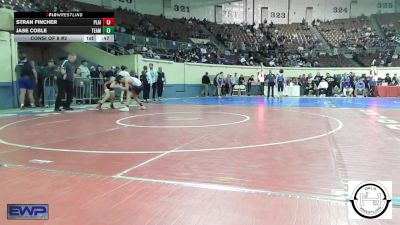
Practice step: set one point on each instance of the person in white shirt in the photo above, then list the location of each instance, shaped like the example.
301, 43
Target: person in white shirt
124, 72
261, 79
131, 84
235, 80
85, 74
152, 77
322, 87
243, 60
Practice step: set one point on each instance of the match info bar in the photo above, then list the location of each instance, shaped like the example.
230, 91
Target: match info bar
64, 27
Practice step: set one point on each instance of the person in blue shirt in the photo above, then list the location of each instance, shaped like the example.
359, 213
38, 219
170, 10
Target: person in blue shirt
360, 88
281, 81
346, 85
220, 83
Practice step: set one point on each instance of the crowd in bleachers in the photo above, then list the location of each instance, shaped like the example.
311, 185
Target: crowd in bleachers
330, 85
294, 45
355, 33
390, 24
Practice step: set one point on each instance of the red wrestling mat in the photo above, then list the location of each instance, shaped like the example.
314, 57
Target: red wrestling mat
196, 165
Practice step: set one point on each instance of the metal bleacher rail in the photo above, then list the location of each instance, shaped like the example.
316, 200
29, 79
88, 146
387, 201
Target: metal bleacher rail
137, 40
86, 90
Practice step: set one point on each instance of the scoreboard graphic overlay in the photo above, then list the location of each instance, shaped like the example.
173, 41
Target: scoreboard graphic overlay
64, 27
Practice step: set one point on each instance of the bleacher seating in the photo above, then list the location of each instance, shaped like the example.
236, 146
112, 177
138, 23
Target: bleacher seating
276, 45
236, 36
295, 35
390, 24
350, 33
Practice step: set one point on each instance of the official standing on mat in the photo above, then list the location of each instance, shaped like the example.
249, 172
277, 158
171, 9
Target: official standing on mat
161, 80
205, 80
281, 84
271, 83
66, 85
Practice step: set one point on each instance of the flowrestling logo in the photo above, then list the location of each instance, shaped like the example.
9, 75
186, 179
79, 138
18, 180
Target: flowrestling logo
370, 200
27, 211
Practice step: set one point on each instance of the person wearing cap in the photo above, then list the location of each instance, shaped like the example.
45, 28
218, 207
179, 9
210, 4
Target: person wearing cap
111, 73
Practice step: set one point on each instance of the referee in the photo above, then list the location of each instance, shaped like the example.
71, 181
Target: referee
66, 83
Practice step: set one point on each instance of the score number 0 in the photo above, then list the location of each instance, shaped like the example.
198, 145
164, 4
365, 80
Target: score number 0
108, 21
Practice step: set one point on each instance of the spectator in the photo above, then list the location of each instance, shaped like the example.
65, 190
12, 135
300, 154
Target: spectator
161, 80
302, 83
347, 90
336, 91
241, 83
152, 79
79, 86
250, 82
220, 83
97, 81
111, 73
85, 74
241, 80
235, 80
27, 76
322, 88
38, 91
395, 80
360, 88
205, 80
261, 79
50, 76
309, 88
331, 84
228, 84
388, 80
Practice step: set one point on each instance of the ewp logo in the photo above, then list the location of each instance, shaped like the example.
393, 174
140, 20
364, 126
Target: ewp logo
27, 211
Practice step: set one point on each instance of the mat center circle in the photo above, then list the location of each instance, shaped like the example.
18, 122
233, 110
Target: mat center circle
183, 120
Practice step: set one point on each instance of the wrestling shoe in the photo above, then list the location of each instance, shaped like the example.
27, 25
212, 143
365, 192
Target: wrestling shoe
99, 105
125, 109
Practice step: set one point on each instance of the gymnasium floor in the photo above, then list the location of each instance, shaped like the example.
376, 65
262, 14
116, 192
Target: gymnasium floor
212, 161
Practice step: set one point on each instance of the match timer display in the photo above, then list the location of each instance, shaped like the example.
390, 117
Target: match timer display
64, 27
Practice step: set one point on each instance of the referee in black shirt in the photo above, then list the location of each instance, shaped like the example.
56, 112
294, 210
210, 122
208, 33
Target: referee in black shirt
66, 84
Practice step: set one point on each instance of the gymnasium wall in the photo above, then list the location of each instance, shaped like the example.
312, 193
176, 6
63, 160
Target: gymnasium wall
170, 8
8, 61
184, 79
277, 11
96, 55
